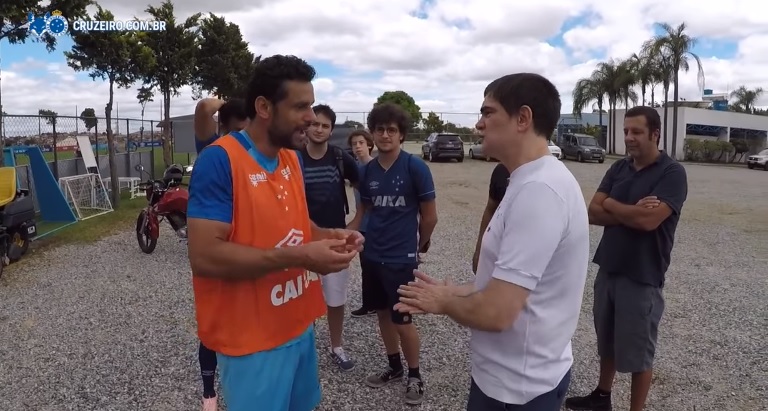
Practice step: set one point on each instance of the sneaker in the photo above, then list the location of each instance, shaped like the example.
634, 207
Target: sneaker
595, 401
383, 378
362, 312
210, 404
414, 391
341, 359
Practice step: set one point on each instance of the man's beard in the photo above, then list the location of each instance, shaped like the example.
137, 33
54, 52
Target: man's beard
292, 139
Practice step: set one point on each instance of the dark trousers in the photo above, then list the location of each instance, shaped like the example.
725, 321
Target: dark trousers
550, 401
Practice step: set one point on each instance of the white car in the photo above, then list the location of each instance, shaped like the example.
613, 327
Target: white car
759, 160
555, 150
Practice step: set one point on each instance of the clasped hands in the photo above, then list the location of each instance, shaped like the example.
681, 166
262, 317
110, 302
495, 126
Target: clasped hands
334, 251
649, 202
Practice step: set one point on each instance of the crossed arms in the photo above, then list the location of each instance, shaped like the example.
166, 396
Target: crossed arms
648, 213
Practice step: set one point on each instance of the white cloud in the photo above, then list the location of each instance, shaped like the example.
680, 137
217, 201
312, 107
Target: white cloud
443, 61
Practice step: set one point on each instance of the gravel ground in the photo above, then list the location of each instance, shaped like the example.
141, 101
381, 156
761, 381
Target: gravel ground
104, 327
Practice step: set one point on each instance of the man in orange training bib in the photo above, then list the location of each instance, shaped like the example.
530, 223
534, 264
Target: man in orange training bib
253, 248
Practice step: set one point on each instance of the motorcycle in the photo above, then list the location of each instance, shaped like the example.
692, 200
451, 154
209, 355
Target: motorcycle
166, 200
17, 219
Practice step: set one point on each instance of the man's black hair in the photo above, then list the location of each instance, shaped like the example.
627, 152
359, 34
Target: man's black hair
652, 118
233, 109
269, 78
388, 113
327, 111
528, 89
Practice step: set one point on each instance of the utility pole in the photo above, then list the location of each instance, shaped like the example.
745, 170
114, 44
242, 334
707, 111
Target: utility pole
2, 114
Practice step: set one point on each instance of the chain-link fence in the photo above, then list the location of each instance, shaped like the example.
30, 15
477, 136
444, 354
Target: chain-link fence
135, 142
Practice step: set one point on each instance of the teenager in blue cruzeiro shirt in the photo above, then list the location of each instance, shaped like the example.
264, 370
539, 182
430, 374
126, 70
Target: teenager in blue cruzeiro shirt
398, 194
232, 117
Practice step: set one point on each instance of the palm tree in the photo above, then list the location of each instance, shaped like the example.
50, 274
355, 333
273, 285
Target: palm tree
746, 98
662, 73
643, 69
587, 90
610, 73
626, 82
678, 45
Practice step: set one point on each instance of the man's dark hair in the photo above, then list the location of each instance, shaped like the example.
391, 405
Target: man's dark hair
269, 78
365, 134
388, 113
327, 111
233, 109
528, 89
652, 118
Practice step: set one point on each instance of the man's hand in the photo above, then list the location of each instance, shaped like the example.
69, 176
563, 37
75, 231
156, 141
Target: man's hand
649, 202
328, 256
354, 240
426, 295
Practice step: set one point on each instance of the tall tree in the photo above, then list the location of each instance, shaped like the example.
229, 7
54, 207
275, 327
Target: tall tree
223, 62
661, 73
118, 57
175, 50
678, 45
432, 123
88, 115
145, 95
745, 98
404, 100
610, 73
14, 16
51, 117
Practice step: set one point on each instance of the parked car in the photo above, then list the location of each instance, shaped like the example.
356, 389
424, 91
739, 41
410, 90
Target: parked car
582, 147
759, 160
476, 151
443, 146
555, 150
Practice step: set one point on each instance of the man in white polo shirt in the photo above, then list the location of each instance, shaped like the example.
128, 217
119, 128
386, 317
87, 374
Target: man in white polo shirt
524, 304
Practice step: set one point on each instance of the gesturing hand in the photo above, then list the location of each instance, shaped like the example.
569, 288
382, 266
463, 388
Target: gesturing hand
649, 202
353, 239
425, 295
328, 256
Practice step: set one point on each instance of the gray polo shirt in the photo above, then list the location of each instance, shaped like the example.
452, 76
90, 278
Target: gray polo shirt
643, 256
538, 239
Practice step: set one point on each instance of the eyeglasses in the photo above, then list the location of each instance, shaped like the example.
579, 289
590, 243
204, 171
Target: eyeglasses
391, 131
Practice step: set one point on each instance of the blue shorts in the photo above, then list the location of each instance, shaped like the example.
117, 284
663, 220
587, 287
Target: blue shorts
282, 379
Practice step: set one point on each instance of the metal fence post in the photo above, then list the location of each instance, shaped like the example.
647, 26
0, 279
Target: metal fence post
128, 147
152, 142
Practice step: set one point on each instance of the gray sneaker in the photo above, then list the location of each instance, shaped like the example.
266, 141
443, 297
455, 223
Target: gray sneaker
344, 361
414, 391
383, 378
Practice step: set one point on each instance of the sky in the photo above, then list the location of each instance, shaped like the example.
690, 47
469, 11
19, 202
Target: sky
441, 52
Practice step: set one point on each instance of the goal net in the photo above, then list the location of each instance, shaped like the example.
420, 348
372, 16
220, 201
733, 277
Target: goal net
86, 195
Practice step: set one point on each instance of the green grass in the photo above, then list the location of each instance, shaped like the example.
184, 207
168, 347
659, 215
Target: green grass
92, 229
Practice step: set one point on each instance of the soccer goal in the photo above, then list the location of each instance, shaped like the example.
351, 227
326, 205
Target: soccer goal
86, 195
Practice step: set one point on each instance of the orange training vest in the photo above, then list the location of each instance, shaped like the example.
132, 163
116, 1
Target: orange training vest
240, 317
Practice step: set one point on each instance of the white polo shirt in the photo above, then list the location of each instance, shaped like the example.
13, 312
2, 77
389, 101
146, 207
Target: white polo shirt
538, 239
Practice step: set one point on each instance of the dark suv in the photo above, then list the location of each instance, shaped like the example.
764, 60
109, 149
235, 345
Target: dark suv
581, 147
443, 146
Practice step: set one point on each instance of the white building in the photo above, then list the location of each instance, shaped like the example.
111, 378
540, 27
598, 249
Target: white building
692, 115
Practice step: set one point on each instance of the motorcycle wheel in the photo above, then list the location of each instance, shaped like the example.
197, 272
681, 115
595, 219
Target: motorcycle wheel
146, 242
21, 240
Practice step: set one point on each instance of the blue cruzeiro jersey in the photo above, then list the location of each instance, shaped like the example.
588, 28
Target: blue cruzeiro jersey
393, 198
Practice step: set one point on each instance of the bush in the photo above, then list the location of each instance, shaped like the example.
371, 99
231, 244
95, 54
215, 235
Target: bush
707, 150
